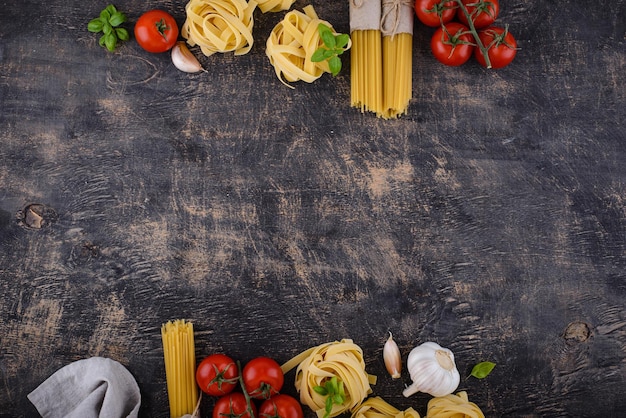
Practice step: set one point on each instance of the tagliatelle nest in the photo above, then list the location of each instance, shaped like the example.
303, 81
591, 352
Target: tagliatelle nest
291, 44
342, 359
220, 25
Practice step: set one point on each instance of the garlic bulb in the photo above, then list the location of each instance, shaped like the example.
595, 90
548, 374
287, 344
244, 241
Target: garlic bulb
391, 357
432, 370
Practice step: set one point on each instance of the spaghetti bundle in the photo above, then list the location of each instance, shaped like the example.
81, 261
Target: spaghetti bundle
378, 408
291, 45
219, 25
274, 5
397, 29
180, 366
453, 406
341, 359
366, 72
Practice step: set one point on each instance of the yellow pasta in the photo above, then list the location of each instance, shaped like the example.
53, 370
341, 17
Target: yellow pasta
291, 44
453, 406
366, 72
275, 5
398, 73
180, 366
366, 68
376, 407
397, 29
219, 25
342, 359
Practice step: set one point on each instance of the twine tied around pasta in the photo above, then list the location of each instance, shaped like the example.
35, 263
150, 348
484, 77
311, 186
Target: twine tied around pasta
392, 15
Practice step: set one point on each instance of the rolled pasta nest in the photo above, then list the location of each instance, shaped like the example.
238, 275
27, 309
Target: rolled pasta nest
315, 366
274, 5
453, 406
220, 25
291, 44
377, 407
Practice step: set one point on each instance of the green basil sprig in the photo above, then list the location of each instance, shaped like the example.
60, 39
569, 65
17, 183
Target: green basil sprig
108, 23
334, 45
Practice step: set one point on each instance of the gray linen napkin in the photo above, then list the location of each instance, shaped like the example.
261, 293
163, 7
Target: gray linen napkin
95, 387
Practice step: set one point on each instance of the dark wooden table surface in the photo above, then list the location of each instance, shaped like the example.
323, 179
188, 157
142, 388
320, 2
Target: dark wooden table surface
490, 219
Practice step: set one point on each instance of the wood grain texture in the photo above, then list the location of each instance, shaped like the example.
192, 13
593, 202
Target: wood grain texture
490, 219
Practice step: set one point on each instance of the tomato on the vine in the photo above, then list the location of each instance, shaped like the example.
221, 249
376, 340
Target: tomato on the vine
452, 44
217, 374
262, 377
482, 12
233, 405
281, 406
501, 47
156, 31
435, 12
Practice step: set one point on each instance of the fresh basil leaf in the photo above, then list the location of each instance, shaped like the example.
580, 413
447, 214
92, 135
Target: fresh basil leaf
321, 390
122, 34
111, 9
117, 19
342, 40
107, 28
482, 370
110, 41
318, 55
335, 65
94, 26
101, 40
105, 15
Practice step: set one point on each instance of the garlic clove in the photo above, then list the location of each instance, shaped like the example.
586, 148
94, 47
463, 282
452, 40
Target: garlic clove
184, 60
391, 357
432, 370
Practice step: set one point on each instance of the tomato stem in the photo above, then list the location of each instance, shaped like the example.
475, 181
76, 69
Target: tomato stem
161, 26
472, 29
245, 392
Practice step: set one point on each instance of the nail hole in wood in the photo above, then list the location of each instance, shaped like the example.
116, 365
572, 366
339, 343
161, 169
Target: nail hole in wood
577, 332
37, 216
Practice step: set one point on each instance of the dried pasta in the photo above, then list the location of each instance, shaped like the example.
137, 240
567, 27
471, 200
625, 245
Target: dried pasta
342, 359
366, 71
453, 406
397, 29
274, 5
219, 25
180, 366
291, 44
377, 407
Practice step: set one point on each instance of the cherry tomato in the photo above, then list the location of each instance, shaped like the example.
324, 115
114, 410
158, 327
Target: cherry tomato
217, 375
435, 12
452, 44
233, 405
281, 406
262, 377
156, 31
501, 45
482, 12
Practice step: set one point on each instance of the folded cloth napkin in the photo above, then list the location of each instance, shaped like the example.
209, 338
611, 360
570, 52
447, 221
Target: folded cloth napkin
94, 387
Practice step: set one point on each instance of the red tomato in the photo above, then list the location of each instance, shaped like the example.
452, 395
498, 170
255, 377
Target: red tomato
435, 12
281, 406
482, 12
156, 31
217, 375
501, 45
262, 377
233, 405
452, 44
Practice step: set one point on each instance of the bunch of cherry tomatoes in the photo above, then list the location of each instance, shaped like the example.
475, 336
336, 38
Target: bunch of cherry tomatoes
237, 392
457, 38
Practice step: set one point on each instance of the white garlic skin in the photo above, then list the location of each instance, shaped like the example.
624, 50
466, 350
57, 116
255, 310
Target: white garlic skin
432, 370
